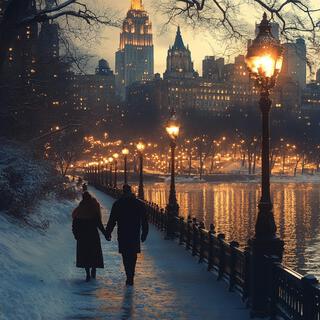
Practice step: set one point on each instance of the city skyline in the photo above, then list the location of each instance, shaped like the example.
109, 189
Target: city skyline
201, 44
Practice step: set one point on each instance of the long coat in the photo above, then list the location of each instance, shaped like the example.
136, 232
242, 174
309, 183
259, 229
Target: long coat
86, 222
130, 216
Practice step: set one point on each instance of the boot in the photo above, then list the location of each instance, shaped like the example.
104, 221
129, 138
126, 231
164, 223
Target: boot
93, 273
129, 281
88, 274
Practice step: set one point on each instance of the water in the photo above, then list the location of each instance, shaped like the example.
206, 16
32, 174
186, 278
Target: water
232, 208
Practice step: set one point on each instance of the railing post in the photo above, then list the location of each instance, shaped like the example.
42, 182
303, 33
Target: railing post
181, 228
189, 228
309, 306
202, 242
233, 261
246, 286
222, 255
194, 236
162, 222
211, 249
274, 285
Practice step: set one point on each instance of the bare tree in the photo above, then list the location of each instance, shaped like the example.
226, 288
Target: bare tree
228, 20
293, 16
17, 15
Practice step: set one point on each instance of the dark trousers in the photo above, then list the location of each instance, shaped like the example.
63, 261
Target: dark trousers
129, 262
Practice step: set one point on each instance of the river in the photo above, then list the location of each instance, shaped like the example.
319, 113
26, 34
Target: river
232, 208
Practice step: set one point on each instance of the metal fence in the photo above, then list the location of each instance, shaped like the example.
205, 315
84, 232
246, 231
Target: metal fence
291, 296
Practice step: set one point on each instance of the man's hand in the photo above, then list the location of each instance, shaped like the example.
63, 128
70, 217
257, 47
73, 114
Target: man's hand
143, 238
108, 237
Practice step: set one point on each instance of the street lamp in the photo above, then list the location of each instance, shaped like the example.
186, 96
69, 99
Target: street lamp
173, 129
110, 159
264, 61
125, 152
140, 148
106, 180
115, 156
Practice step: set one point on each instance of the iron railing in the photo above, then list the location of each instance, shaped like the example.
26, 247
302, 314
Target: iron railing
291, 295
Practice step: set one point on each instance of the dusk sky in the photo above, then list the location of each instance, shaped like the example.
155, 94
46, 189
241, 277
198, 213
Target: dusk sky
200, 43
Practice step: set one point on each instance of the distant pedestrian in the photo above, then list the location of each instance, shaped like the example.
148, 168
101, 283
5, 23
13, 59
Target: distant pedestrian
86, 222
84, 187
130, 216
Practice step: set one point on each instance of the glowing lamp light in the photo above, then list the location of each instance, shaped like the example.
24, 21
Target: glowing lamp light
264, 57
173, 127
115, 155
265, 65
125, 151
110, 159
140, 146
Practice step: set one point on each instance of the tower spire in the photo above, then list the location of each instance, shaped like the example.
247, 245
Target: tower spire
136, 5
178, 43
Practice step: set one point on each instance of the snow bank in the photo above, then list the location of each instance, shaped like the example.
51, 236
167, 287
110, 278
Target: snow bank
23, 178
34, 263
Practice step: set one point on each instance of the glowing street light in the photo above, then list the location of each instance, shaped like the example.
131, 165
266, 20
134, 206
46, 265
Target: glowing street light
173, 129
264, 61
125, 152
140, 148
115, 157
110, 159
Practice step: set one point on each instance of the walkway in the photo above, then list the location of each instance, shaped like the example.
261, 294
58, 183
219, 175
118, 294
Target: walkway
169, 284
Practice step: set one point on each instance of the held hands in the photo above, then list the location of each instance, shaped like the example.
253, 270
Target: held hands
108, 237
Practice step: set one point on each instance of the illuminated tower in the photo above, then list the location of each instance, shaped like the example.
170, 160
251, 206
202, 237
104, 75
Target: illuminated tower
179, 63
134, 59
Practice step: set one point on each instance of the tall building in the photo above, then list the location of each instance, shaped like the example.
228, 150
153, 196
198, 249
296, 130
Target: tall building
48, 42
295, 62
179, 62
134, 59
212, 68
94, 92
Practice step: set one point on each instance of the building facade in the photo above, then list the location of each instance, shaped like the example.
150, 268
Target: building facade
179, 62
135, 57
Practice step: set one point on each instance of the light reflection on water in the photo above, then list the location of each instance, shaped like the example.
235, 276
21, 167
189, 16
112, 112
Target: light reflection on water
232, 207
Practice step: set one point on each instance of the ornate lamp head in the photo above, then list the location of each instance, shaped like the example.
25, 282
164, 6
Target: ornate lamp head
141, 146
264, 57
173, 127
125, 151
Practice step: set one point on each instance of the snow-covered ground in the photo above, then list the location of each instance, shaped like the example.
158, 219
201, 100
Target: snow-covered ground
39, 279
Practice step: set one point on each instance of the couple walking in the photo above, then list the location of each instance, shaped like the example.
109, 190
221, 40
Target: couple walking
128, 213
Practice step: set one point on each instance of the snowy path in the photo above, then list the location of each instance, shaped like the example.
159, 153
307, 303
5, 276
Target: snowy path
39, 279
169, 285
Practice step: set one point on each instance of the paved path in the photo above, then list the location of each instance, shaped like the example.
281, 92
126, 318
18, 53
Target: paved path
169, 284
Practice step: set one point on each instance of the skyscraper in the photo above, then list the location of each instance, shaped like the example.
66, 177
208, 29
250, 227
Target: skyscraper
179, 63
134, 59
295, 62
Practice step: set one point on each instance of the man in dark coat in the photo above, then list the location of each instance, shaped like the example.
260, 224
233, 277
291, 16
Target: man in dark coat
130, 215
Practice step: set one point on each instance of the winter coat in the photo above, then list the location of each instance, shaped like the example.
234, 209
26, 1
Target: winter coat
86, 222
130, 215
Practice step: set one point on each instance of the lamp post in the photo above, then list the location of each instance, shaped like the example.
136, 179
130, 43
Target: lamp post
106, 161
140, 148
264, 61
173, 129
125, 152
110, 159
115, 181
